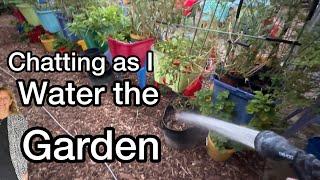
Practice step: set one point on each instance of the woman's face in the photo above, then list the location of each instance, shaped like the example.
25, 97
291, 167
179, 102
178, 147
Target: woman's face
5, 101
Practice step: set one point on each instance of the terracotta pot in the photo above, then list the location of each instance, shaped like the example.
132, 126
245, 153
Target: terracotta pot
215, 153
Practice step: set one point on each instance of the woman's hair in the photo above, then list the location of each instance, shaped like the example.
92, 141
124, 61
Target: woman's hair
13, 107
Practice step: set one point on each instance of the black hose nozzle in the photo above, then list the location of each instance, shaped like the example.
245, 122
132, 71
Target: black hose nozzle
274, 146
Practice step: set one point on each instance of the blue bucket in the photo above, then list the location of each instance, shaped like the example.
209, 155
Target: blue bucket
65, 30
239, 97
49, 21
313, 146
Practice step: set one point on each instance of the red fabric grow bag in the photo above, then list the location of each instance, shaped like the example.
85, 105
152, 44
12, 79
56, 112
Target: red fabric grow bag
195, 86
18, 15
34, 35
139, 49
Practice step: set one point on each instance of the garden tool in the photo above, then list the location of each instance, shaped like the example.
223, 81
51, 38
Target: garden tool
266, 143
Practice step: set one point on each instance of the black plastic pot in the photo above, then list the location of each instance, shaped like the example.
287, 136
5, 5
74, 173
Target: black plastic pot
185, 139
107, 77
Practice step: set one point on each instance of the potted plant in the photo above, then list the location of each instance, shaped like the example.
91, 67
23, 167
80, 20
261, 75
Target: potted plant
64, 45
95, 24
177, 134
219, 147
47, 41
175, 66
107, 77
33, 33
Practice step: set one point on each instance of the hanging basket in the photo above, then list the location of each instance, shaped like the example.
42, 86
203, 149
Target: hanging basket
139, 48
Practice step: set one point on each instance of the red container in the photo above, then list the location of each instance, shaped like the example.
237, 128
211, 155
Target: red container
34, 35
188, 5
195, 86
18, 15
139, 48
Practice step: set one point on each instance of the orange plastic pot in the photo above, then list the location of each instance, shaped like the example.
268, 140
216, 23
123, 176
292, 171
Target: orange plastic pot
216, 154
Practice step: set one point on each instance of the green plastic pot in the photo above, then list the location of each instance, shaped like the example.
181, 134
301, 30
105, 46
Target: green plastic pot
29, 13
91, 43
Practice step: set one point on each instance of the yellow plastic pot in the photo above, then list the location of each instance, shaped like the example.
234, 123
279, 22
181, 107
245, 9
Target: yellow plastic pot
215, 153
83, 44
48, 44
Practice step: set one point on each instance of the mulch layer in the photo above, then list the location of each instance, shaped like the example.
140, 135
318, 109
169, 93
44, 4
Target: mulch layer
187, 164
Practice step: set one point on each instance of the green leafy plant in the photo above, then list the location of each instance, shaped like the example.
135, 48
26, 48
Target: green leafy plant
203, 101
177, 59
263, 110
223, 106
101, 22
64, 43
46, 36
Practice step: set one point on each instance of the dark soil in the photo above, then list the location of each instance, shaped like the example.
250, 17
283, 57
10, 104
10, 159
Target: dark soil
187, 164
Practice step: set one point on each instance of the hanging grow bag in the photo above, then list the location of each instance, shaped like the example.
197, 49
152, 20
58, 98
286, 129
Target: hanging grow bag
49, 21
29, 13
239, 97
138, 49
17, 14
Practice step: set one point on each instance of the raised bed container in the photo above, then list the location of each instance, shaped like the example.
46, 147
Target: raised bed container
239, 97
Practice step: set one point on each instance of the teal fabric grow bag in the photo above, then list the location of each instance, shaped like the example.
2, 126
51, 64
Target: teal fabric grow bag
239, 97
49, 21
221, 10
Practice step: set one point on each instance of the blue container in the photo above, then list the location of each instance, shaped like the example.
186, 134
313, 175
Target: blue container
313, 146
49, 21
142, 76
63, 21
20, 28
239, 97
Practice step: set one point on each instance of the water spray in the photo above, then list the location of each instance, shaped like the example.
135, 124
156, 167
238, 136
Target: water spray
266, 143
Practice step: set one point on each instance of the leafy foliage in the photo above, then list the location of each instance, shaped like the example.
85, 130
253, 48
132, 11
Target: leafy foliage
102, 22
263, 109
223, 107
203, 101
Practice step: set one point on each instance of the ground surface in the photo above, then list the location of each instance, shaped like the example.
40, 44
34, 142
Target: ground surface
188, 164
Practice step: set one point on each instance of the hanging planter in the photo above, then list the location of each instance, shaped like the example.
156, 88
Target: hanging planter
65, 29
17, 14
139, 48
215, 153
180, 139
35, 33
48, 42
107, 77
49, 21
239, 97
29, 13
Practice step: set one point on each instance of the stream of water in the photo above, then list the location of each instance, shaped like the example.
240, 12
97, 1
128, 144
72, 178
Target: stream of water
232, 131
